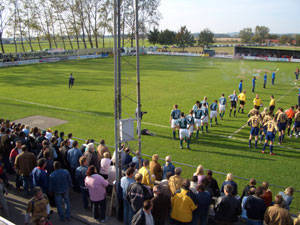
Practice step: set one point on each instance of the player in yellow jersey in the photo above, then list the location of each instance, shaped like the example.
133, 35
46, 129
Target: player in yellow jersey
281, 122
272, 104
271, 131
265, 119
257, 102
252, 112
296, 126
254, 122
242, 98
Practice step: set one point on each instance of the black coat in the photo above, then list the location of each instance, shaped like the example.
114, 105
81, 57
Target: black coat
228, 208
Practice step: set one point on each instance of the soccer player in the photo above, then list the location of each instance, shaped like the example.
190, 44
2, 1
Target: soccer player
290, 113
252, 112
257, 102
253, 83
281, 122
254, 122
182, 124
71, 81
204, 102
196, 106
272, 104
270, 136
265, 120
273, 78
204, 118
213, 112
191, 122
241, 86
262, 116
296, 126
175, 115
233, 101
265, 79
198, 114
222, 106
242, 98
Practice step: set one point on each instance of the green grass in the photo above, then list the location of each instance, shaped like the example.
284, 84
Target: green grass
165, 81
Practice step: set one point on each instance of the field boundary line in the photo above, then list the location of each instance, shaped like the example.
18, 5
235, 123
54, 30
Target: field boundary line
242, 127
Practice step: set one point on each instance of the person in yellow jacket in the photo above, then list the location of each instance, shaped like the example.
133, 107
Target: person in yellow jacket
272, 104
257, 102
242, 98
147, 180
183, 204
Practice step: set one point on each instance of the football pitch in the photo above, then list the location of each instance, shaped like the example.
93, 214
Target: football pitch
42, 89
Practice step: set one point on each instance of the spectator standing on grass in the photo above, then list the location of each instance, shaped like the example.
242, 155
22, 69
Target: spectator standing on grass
276, 214
96, 185
59, 184
287, 196
229, 180
252, 183
255, 207
161, 206
24, 164
80, 174
227, 208
212, 184
183, 204
168, 167
175, 182
37, 207
155, 168
126, 181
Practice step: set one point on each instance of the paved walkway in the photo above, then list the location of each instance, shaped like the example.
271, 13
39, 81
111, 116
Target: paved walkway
17, 204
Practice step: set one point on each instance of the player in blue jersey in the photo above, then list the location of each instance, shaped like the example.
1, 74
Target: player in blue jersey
204, 117
253, 84
241, 86
213, 112
175, 115
198, 114
191, 122
182, 125
233, 102
222, 106
265, 79
273, 78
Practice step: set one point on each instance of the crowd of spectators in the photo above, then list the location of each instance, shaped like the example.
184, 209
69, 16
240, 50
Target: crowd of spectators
46, 165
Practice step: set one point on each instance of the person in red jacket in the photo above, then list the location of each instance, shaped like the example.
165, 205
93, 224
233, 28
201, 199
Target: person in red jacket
12, 157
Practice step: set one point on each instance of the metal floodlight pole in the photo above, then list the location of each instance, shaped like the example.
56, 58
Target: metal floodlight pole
138, 87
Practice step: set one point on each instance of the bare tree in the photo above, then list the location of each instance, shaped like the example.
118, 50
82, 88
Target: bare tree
5, 15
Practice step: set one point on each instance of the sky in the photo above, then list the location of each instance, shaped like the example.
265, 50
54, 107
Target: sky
225, 16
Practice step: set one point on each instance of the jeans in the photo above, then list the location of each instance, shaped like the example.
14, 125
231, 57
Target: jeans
128, 212
85, 197
254, 222
27, 183
62, 200
95, 209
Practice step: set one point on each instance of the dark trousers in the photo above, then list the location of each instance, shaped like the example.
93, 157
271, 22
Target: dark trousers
95, 209
85, 197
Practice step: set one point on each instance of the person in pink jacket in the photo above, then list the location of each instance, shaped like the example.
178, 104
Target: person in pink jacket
96, 185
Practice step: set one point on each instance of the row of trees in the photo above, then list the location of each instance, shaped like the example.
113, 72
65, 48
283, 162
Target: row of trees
63, 21
261, 33
183, 38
